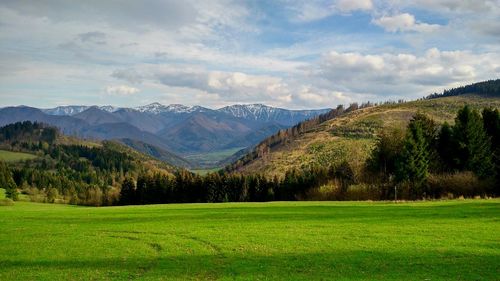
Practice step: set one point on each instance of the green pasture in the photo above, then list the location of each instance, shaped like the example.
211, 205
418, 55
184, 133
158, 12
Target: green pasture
10, 156
447, 240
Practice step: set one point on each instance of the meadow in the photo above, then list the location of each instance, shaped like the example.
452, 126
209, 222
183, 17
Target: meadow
10, 156
441, 240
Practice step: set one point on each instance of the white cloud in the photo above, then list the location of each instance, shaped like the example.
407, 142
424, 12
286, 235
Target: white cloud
402, 74
121, 90
346, 6
404, 22
307, 11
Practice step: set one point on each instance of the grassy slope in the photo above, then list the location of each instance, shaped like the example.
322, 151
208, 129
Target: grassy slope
9, 156
452, 240
352, 136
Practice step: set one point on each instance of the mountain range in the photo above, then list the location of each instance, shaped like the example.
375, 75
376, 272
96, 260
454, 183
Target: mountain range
167, 132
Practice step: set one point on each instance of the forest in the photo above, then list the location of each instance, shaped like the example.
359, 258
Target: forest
425, 160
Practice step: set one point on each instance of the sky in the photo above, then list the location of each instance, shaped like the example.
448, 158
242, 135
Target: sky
285, 53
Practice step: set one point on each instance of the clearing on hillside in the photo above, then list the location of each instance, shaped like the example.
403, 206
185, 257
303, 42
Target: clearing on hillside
450, 240
10, 156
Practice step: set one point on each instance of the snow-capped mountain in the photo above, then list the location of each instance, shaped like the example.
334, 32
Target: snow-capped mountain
264, 113
157, 108
66, 110
153, 108
75, 109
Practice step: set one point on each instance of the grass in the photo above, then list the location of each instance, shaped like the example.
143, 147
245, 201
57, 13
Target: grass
209, 159
449, 240
204, 171
10, 156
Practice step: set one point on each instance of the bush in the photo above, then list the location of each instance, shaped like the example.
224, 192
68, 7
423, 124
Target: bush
465, 184
6, 202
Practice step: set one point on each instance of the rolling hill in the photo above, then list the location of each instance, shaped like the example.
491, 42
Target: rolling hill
352, 134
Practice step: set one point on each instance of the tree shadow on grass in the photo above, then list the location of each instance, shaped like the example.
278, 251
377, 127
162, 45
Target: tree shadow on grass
345, 265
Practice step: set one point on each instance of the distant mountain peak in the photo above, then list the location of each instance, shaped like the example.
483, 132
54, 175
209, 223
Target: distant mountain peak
153, 108
69, 110
265, 113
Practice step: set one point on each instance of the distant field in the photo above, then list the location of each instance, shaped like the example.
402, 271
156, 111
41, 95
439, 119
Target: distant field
204, 171
211, 158
451, 240
9, 156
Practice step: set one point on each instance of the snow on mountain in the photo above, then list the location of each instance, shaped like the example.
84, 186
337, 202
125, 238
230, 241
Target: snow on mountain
153, 108
75, 109
256, 112
66, 110
264, 113
157, 108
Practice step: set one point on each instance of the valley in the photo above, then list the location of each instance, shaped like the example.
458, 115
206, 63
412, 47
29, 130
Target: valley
190, 137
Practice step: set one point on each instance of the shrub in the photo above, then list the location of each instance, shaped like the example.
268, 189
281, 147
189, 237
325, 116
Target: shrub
465, 184
6, 202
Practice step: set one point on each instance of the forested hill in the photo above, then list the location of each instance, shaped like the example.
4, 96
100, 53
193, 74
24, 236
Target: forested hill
350, 133
490, 88
67, 169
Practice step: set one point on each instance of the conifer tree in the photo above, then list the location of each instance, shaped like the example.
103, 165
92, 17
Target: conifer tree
413, 163
446, 147
474, 146
127, 193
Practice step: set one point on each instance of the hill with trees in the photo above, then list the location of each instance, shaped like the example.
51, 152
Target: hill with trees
66, 169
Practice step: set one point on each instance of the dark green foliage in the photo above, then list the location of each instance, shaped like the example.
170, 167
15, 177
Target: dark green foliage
474, 146
489, 88
28, 132
491, 122
7, 182
447, 147
127, 192
76, 174
413, 163
388, 148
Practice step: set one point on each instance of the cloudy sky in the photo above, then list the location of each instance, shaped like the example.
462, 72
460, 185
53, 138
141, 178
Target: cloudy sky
294, 54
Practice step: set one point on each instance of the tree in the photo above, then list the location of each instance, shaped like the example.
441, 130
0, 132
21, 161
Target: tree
447, 147
385, 153
413, 163
474, 146
430, 131
7, 182
127, 193
491, 123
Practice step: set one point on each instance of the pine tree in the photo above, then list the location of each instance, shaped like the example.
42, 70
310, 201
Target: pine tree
446, 147
127, 193
491, 122
413, 163
474, 146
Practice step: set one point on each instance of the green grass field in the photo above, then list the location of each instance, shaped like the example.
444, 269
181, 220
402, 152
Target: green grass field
9, 156
210, 159
449, 240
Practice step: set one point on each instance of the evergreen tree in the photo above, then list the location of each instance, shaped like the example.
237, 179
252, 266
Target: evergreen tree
474, 146
491, 122
7, 182
127, 193
384, 155
413, 163
446, 147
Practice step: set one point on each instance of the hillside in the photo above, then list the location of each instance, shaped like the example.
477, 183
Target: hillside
51, 167
351, 135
